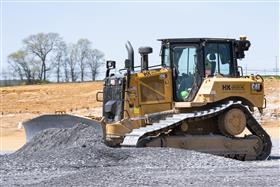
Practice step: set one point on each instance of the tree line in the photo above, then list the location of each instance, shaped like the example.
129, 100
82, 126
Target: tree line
46, 54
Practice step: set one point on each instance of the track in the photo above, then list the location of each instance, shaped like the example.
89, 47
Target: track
136, 137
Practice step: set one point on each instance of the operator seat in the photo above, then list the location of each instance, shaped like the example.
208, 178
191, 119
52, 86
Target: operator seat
212, 58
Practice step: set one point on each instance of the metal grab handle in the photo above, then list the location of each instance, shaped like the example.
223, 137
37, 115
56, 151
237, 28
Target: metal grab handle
259, 77
97, 97
264, 103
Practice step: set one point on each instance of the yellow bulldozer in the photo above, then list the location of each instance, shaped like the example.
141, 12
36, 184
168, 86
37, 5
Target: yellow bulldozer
197, 98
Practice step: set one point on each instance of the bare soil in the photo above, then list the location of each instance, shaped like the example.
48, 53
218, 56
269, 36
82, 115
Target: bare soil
19, 103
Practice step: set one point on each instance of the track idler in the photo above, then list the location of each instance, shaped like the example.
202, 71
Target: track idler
232, 122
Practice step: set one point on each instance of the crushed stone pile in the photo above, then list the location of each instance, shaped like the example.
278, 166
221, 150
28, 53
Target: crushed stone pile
77, 157
80, 135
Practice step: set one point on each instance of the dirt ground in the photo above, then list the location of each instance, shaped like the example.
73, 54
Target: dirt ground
20, 103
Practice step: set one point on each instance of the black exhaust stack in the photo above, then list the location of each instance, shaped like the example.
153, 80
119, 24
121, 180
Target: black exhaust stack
144, 51
129, 64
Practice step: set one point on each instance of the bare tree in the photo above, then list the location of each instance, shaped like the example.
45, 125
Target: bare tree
23, 65
15, 69
95, 61
72, 62
68, 62
83, 47
66, 70
60, 59
41, 45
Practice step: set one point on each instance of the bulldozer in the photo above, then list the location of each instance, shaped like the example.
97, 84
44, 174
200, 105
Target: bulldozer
196, 98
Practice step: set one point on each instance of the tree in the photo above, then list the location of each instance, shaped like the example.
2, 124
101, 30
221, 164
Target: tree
66, 70
60, 60
72, 62
40, 45
16, 70
24, 66
83, 47
46, 54
95, 61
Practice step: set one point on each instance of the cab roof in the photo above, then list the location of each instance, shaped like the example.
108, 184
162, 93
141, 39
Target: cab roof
194, 40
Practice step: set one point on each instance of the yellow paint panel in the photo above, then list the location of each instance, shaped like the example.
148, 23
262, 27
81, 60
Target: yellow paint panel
136, 110
216, 89
150, 91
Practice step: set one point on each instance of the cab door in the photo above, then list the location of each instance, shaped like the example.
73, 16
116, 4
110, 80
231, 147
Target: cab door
184, 61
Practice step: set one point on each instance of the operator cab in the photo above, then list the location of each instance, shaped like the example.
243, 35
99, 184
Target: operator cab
194, 59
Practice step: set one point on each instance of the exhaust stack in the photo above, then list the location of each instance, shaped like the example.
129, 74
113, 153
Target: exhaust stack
130, 52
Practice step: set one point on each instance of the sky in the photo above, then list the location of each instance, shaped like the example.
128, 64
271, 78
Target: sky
110, 24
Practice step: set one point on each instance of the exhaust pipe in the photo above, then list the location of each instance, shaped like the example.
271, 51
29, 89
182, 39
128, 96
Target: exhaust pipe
130, 52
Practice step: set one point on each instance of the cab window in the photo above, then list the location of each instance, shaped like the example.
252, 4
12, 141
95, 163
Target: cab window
217, 59
184, 64
166, 57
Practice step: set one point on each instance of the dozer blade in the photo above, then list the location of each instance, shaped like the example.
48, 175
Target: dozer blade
40, 123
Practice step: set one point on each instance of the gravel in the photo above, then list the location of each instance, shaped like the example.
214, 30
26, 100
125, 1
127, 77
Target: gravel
77, 157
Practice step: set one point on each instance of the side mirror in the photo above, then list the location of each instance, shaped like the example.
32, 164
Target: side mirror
127, 64
110, 64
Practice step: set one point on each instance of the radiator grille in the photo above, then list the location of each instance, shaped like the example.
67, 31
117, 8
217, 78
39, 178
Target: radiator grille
152, 89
